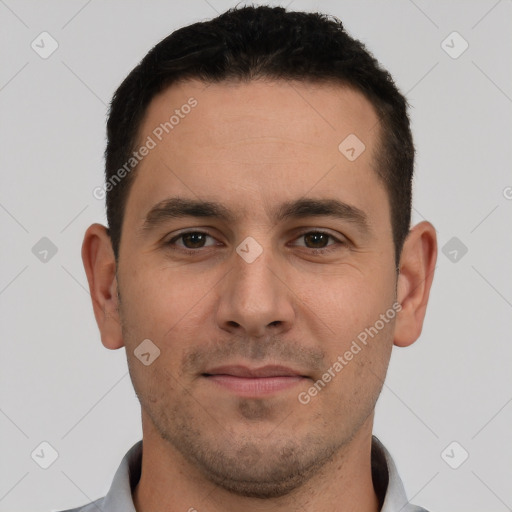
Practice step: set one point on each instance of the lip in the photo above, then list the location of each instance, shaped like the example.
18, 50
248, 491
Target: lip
254, 382
261, 372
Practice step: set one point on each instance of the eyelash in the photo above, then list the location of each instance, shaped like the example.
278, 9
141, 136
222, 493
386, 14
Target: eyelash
321, 251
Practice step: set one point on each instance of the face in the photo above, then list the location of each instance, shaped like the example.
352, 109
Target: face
254, 255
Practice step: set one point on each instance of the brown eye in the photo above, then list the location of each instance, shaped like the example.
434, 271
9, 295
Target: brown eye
194, 240
319, 243
191, 240
316, 240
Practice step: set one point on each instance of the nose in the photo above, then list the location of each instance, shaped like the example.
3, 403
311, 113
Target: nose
254, 298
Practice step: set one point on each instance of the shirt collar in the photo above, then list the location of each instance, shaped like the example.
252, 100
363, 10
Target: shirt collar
387, 482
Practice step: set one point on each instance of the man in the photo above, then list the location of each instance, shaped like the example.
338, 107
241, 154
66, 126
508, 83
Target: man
258, 266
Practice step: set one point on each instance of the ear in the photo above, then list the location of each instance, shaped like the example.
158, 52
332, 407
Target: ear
417, 265
100, 267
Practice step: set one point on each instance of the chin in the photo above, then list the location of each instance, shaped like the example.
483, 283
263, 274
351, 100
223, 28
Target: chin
258, 469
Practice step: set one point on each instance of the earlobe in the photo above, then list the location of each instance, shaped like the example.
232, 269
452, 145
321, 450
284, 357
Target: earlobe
417, 265
100, 267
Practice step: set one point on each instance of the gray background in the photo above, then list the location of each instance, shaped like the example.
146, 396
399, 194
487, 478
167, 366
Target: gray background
60, 385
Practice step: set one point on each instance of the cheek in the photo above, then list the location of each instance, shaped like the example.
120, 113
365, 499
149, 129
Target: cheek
159, 297
173, 309
359, 363
346, 305
154, 385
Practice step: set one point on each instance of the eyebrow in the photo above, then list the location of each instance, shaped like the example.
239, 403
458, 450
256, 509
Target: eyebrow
176, 207
322, 207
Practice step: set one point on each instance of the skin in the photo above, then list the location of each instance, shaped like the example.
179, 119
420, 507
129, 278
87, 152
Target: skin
251, 147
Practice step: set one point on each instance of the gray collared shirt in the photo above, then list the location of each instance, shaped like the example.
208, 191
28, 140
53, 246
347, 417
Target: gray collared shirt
388, 485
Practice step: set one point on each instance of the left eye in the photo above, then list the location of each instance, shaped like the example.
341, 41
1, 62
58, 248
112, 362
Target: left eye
316, 240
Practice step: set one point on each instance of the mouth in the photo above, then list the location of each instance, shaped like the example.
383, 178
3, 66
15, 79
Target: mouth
254, 382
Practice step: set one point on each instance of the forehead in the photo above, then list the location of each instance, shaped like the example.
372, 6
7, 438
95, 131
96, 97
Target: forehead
306, 111
267, 141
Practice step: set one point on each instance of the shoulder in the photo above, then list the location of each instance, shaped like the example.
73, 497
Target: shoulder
89, 507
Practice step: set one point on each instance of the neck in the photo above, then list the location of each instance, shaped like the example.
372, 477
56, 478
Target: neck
169, 483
